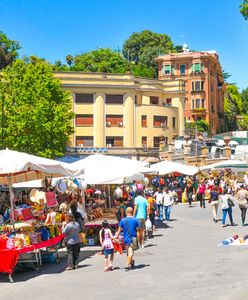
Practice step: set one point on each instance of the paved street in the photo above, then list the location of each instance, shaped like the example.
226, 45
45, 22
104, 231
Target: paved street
183, 261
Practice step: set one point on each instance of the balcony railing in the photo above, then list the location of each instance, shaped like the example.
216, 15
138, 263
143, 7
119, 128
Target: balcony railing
199, 111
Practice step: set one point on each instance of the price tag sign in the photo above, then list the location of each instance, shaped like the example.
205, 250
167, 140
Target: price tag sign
51, 199
27, 214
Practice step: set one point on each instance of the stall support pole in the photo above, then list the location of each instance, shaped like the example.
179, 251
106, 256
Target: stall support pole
109, 196
11, 197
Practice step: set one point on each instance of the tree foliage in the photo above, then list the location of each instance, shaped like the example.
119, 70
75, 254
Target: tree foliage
244, 98
8, 50
232, 107
244, 9
100, 60
37, 112
143, 47
202, 126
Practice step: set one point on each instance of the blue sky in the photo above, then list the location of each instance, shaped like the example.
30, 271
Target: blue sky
54, 28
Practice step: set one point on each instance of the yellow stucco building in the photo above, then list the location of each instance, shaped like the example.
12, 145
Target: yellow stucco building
121, 110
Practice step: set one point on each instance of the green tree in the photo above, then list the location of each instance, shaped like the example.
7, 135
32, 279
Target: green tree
243, 124
100, 60
244, 98
244, 9
143, 47
8, 50
37, 112
201, 125
232, 107
135, 47
69, 60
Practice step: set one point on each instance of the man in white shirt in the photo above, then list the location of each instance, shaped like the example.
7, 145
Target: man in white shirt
168, 201
159, 201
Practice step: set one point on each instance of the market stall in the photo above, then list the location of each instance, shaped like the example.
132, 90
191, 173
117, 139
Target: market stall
18, 167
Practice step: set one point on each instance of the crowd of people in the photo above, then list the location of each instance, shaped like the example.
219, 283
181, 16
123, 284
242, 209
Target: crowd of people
138, 213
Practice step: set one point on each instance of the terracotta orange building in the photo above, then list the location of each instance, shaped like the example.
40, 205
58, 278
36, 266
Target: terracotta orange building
202, 72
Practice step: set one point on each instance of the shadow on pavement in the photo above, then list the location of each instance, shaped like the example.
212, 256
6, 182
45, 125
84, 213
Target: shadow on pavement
140, 266
28, 271
150, 245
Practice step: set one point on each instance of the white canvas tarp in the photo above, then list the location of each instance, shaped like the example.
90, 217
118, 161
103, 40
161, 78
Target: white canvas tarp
167, 167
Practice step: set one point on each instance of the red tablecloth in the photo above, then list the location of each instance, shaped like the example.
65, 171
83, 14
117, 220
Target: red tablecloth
9, 258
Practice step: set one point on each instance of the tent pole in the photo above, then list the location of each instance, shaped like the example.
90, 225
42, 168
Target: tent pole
11, 197
109, 197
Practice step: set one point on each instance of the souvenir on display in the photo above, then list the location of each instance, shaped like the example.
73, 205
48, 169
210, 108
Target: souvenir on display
118, 193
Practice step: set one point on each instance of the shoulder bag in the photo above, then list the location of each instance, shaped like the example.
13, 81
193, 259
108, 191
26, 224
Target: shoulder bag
134, 240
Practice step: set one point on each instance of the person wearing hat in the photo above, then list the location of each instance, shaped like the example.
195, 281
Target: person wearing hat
106, 238
71, 230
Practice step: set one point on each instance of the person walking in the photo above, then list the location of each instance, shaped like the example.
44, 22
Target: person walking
189, 192
201, 193
214, 201
152, 208
140, 212
226, 207
129, 225
121, 211
168, 201
159, 201
71, 230
242, 196
106, 238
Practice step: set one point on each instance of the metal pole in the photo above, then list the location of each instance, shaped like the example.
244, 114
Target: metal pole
11, 197
3, 122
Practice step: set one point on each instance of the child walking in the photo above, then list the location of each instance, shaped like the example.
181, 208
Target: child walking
106, 238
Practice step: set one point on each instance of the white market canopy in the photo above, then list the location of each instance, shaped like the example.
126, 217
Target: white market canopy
235, 164
166, 167
20, 167
107, 169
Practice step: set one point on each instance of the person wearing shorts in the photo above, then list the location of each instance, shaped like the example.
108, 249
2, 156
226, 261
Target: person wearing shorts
140, 212
129, 225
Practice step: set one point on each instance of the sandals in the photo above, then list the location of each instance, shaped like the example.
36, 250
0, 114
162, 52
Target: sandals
69, 268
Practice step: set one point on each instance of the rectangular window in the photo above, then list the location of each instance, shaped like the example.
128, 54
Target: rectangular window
197, 68
115, 141
167, 69
84, 120
156, 141
154, 100
198, 103
203, 103
160, 121
193, 103
182, 69
172, 69
198, 86
114, 99
84, 98
85, 141
144, 141
115, 120
174, 122
144, 121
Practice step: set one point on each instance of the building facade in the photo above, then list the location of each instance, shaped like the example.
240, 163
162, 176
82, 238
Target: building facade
204, 84
120, 110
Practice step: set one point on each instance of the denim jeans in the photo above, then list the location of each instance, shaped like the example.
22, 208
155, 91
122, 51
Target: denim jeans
224, 213
160, 211
167, 211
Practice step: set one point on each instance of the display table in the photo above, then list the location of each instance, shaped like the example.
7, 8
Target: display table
9, 258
